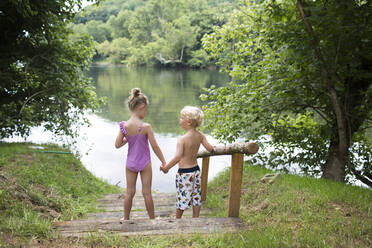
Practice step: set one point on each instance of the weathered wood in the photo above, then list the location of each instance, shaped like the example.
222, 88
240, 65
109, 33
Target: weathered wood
138, 202
149, 227
270, 178
243, 147
115, 202
112, 197
166, 213
204, 178
236, 174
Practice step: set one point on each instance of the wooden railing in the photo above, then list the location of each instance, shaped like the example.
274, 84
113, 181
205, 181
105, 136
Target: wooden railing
237, 152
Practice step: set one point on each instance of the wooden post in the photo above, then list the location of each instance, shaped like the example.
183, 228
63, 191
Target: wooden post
236, 175
204, 178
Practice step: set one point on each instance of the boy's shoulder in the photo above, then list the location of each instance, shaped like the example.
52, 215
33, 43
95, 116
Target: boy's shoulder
195, 136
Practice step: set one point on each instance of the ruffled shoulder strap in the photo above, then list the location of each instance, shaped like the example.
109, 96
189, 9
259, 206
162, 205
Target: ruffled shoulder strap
122, 128
140, 127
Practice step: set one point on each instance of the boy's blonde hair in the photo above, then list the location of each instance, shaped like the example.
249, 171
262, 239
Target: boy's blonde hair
194, 114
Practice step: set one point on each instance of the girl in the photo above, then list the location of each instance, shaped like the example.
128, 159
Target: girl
137, 134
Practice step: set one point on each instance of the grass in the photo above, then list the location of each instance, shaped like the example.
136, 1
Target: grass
298, 211
37, 188
294, 211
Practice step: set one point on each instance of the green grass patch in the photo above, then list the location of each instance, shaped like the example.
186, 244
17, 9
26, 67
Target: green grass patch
37, 188
298, 211
294, 211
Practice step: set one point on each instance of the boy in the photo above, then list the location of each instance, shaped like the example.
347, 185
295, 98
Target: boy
188, 180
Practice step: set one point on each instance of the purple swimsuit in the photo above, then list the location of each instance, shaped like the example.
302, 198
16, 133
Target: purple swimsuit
138, 151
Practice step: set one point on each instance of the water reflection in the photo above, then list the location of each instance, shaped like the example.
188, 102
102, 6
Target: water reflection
168, 90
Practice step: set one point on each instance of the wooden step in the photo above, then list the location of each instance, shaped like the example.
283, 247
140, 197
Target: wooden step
169, 212
113, 197
82, 228
114, 202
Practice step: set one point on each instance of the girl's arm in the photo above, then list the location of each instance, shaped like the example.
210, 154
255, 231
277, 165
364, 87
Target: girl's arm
120, 140
154, 145
206, 144
177, 157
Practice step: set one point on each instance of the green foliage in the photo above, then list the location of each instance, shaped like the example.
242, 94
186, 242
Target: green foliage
104, 10
42, 80
279, 88
166, 32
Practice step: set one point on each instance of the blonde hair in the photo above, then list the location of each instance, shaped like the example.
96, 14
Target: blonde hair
136, 98
194, 114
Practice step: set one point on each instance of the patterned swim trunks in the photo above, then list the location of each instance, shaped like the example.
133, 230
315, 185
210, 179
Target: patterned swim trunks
188, 184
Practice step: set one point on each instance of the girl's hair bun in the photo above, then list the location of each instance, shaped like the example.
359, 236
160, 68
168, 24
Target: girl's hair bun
136, 98
136, 92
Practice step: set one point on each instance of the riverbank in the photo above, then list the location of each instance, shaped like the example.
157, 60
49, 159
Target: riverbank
39, 187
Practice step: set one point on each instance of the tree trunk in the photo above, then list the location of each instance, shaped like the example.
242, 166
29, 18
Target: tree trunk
334, 167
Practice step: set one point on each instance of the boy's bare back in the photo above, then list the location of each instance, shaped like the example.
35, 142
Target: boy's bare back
190, 143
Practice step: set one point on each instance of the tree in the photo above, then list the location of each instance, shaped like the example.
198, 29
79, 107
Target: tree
42, 80
98, 30
302, 75
165, 32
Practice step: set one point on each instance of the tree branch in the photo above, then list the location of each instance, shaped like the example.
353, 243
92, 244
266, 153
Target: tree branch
366, 179
167, 61
28, 99
337, 105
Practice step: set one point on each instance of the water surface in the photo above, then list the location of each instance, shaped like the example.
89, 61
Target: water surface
168, 90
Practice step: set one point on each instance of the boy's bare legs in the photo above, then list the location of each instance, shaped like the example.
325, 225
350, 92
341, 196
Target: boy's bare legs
146, 179
130, 191
179, 213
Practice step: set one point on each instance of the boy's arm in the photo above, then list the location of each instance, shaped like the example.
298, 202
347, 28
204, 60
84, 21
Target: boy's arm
120, 140
206, 144
154, 145
177, 157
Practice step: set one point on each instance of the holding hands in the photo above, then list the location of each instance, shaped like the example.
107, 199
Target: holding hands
164, 169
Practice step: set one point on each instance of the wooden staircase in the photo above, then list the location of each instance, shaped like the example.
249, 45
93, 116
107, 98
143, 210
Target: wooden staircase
108, 221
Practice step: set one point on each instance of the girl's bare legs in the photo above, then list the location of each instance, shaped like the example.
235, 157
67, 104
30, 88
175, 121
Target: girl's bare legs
130, 192
195, 211
179, 213
146, 179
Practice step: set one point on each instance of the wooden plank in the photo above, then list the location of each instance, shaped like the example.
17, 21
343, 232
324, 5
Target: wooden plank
240, 147
150, 227
137, 208
169, 212
236, 174
116, 197
204, 178
115, 202
138, 202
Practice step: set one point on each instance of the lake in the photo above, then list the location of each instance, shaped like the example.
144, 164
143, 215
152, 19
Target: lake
168, 90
